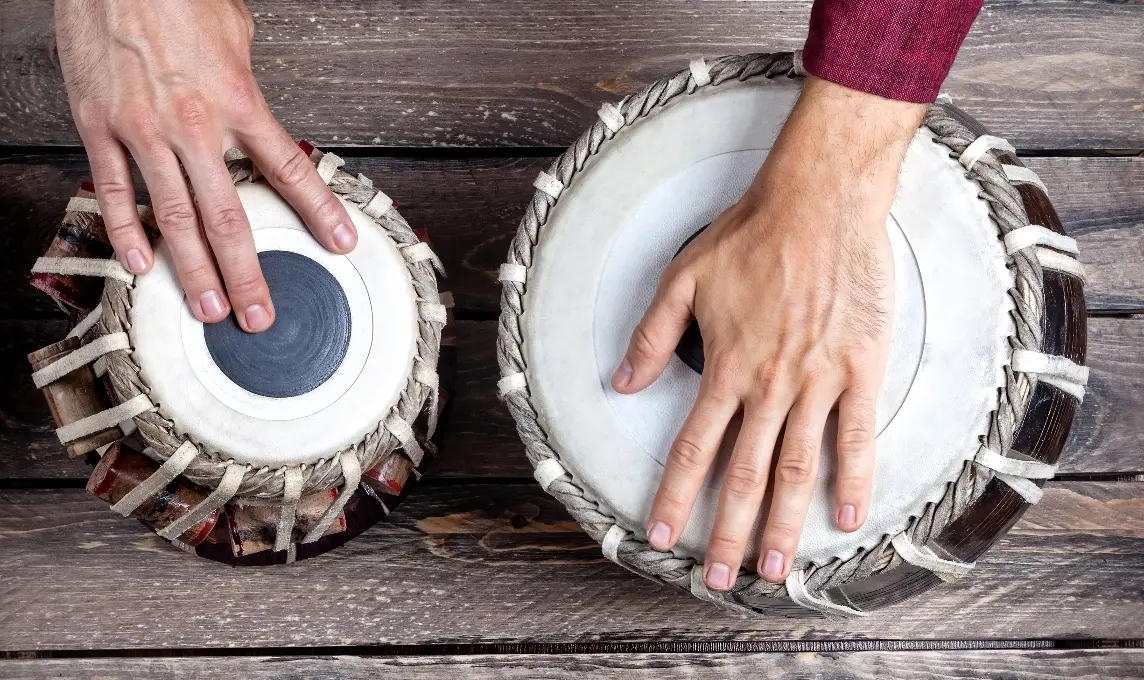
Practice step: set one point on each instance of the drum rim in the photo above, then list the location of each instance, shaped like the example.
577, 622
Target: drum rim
623, 544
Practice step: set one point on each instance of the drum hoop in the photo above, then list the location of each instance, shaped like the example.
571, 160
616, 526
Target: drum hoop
622, 544
267, 484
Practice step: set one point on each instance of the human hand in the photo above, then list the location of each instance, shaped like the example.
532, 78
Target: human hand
170, 82
792, 288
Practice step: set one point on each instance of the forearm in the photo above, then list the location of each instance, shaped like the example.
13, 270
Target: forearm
899, 50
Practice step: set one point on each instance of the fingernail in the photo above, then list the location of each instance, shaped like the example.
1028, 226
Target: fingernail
257, 318
136, 263
344, 238
718, 576
623, 374
211, 304
847, 516
659, 536
773, 565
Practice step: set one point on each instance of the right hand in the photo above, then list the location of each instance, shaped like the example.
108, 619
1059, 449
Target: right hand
169, 81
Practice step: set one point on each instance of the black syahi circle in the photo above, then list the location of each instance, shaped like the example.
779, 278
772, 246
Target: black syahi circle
307, 342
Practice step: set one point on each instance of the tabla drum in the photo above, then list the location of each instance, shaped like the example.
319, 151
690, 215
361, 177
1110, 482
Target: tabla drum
253, 448
986, 368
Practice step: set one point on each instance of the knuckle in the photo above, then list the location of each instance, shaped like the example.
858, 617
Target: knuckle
197, 275
744, 477
795, 466
328, 208
642, 344
854, 439
724, 376
90, 115
228, 224
688, 455
192, 112
294, 170
246, 285
725, 543
245, 101
121, 230
781, 532
177, 214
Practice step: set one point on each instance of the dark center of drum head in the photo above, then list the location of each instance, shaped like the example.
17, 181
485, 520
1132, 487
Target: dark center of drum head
690, 347
307, 342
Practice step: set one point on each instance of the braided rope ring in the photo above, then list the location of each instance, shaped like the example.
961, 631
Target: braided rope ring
125, 379
1007, 209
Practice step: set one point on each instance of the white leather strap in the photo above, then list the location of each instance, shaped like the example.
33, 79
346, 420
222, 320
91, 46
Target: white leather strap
981, 146
404, 434
287, 514
87, 323
104, 419
547, 471
419, 252
1036, 235
796, 590
83, 266
227, 487
549, 185
611, 543
1032, 469
167, 472
700, 72
1057, 371
511, 383
351, 472
82, 356
365, 180
515, 273
427, 376
1019, 175
1051, 259
378, 205
433, 312
328, 165
921, 556
613, 119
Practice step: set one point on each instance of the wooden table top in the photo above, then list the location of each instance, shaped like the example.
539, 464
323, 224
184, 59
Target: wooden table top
453, 108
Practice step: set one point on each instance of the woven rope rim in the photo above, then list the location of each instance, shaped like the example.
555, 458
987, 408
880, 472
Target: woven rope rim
1007, 211
125, 380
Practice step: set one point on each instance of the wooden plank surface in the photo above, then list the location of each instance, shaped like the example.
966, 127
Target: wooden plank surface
1045, 74
1104, 664
481, 441
472, 208
495, 563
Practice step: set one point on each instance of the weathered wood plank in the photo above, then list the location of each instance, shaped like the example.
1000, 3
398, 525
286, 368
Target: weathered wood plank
472, 208
1108, 436
494, 564
1056, 74
1104, 664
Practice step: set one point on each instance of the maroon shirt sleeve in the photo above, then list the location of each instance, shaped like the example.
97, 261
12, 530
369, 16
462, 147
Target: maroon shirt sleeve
899, 50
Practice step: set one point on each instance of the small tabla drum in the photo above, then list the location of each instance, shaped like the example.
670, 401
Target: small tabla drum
988, 344
253, 448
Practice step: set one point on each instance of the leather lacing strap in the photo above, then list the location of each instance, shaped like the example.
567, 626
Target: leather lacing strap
1020, 175
1053, 250
548, 471
287, 514
351, 472
105, 419
922, 556
404, 434
798, 593
83, 266
82, 356
549, 185
514, 382
700, 590
227, 487
328, 165
167, 472
981, 146
512, 273
87, 323
1060, 372
91, 206
700, 72
610, 546
419, 252
427, 376
611, 117
432, 312
1016, 472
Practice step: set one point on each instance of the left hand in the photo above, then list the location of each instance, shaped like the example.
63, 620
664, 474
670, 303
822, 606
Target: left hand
793, 291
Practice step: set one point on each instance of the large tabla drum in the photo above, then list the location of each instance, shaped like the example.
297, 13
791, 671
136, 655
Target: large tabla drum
253, 448
986, 368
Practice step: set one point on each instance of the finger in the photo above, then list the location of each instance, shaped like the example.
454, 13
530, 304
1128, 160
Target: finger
794, 482
290, 171
115, 191
178, 221
688, 461
741, 495
657, 334
856, 432
228, 232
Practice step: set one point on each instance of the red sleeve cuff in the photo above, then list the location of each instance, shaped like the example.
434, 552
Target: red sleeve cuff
899, 50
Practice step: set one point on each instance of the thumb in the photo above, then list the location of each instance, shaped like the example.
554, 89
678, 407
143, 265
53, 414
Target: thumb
657, 334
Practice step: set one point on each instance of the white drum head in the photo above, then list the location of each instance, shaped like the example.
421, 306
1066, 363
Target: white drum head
288, 426
616, 228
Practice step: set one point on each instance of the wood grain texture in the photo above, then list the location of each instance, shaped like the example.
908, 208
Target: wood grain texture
505, 564
1055, 74
481, 440
472, 208
1105, 664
